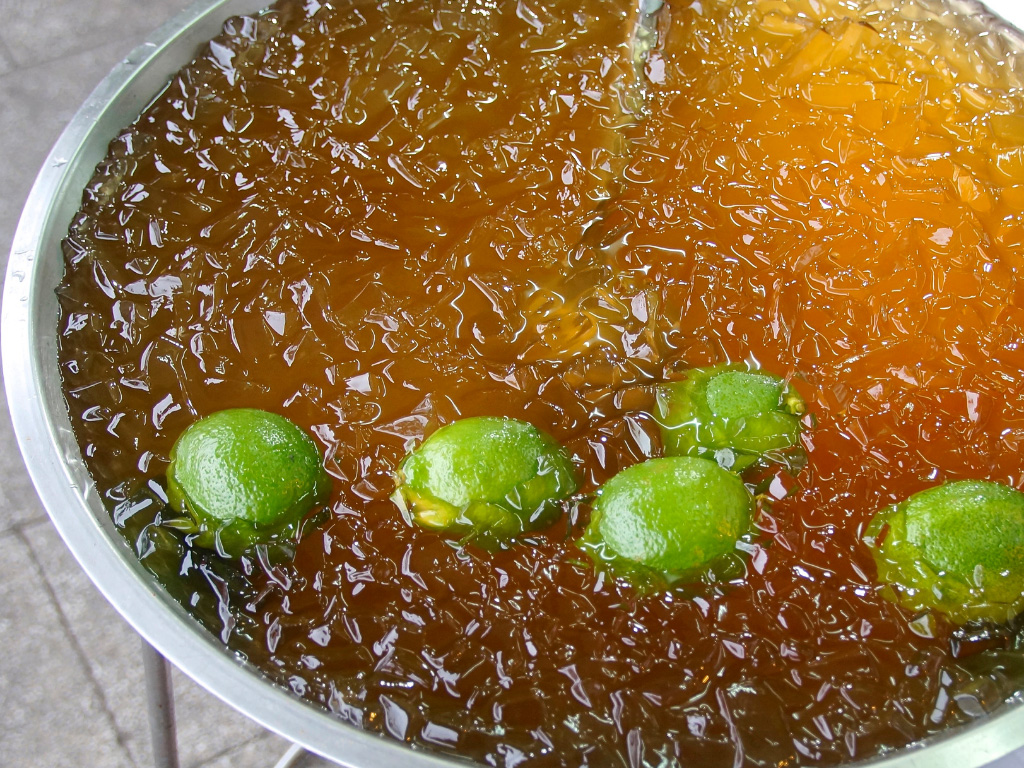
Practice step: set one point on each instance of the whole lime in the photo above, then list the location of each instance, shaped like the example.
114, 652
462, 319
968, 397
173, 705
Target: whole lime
673, 516
957, 548
734, 414
244, 477
491, 478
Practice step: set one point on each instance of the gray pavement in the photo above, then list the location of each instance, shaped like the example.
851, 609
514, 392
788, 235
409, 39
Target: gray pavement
71, 680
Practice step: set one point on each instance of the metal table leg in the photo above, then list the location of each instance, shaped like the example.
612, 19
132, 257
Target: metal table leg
292, 758
160, 703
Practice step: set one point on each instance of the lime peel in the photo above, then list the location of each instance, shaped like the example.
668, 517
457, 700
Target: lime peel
670, 519
486, 478
957, 549
733, 413
244, 476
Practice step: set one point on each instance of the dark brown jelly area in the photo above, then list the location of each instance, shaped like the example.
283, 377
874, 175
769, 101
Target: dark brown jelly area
375, 218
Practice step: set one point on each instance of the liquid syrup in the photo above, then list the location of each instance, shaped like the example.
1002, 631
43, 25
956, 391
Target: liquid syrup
376, 218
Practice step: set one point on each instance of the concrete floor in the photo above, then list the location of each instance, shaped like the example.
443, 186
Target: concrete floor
70, 673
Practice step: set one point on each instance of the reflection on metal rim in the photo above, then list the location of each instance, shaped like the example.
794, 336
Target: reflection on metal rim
52, 455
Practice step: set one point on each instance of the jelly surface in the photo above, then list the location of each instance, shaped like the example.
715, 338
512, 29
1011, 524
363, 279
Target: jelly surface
378, 217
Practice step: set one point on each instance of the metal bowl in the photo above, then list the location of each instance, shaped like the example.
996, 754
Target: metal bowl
43, 429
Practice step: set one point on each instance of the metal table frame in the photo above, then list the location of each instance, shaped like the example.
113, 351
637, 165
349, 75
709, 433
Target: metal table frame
163, 728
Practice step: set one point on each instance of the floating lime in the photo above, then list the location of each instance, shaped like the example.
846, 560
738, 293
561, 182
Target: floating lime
673, 516
245, 477
488, 477
733, 414
957, 548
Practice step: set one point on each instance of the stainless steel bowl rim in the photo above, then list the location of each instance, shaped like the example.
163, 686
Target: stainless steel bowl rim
43, 430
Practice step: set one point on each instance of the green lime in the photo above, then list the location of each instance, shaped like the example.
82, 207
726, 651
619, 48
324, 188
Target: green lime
673, 516
488, 477
245, 477
733, 414
957, 548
